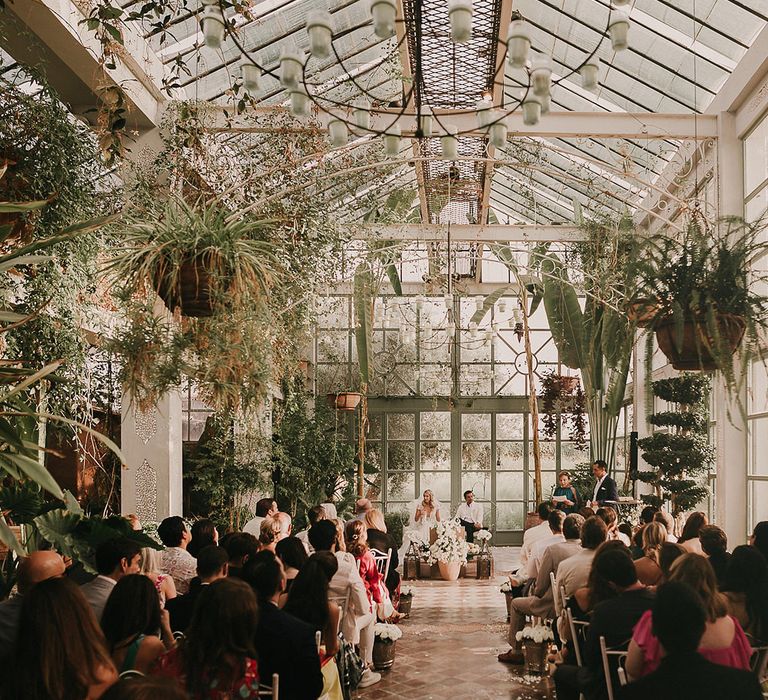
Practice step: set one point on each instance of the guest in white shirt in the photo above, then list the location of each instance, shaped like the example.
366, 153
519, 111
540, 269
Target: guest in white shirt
611, 521
176, 561
115, 558
314, 516
533, 534
470, 514
265, 508
555, 522
573, 572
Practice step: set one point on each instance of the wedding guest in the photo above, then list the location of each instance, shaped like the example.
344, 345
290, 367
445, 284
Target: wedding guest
759, 538
668, 522
362, 506
291, 552
586, 512
745, 585
573, 573
636, 549
356, 537
339, 524
626, 530
679, 623
379, 538
145, 688
314, 515
690, 535
211, 566
150, 567
564, 497
285, 644
269, 535
605, 487
714, 543
217, 658
668, 553
135, 631
613, 618
598, 588
555, 522
610, 518
60, 650
470, 515
115, 558
265, 508
535, 533
203, 534
647, 513
31, 570
176, 561
648, 568
357, 624
723, 642
240, 546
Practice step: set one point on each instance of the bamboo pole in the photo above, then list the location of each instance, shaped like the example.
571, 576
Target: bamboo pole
532, 399
362, 427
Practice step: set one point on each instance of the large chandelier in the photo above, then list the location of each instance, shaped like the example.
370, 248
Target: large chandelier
357, 118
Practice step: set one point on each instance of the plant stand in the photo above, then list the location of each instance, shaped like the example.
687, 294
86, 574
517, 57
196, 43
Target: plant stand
535, 656
404, 604
383, 655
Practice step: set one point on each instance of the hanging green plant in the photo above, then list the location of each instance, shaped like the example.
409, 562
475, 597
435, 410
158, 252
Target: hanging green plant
562, 404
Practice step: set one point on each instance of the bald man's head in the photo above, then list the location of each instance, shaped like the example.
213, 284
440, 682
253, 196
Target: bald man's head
39, 566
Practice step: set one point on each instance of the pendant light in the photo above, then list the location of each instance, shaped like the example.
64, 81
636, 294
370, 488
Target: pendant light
483, 109
392, 140
460, 16
251, 75
499, 129
291, 67
531, 109
618, 28
518, 43
212, 23
384, 13
362, 114
449, 143
590, 72
337, 131
299, 101
541, 75
320, 33
425, 121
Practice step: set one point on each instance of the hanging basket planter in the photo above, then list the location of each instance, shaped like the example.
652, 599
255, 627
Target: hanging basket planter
694, 353
642, 312
345, 400
192, 290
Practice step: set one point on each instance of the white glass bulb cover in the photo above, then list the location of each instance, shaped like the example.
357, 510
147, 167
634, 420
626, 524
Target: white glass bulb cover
362, 114
618, 28
450, 330
448, 301
212, 23
499, 131
425, 121
483, 108
531, 109
337, 131
392, 140
320, 32
251, 75
590, 73
518, 43
460, 16
621, 3
384, 13
449, 143
419, 302
495, 327
299, 102
546, 103
291, 67
517, 316
472, 329
541, 75
489, 335
502, 306
479, 302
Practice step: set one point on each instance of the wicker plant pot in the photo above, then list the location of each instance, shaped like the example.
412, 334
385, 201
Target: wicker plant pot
535, 656
449, 570
694, 354
345, 400
192, 291
383, 654
404, 604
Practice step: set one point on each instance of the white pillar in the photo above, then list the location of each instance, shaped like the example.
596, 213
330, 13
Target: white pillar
151, 484
731, 432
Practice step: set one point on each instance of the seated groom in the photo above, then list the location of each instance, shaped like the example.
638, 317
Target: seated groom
470, 514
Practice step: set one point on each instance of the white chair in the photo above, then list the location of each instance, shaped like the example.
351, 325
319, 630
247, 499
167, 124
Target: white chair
266, 691
759, 662
555, 594
131, 673
343, 602
619, 655
382, 560
578, 630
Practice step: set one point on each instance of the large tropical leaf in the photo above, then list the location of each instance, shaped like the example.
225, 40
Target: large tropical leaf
566, 319
9, 539
33, 470
363, 299
489, 301
21, 207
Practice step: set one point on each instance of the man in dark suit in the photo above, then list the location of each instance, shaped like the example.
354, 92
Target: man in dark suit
605, 490
212, 564
678, 623
285, 644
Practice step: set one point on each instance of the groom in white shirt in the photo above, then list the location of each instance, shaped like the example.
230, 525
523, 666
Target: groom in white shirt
471, 515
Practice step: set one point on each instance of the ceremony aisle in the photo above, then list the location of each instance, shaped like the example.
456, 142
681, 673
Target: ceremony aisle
450, 643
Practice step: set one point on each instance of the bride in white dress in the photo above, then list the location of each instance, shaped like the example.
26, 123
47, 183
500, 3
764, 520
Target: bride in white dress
423, 516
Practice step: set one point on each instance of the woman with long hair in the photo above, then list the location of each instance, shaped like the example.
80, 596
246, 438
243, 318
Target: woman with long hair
203, 534
217, 658
648, 567
356, 537
724, 642
150, 567
690, 535
668, 554
597, 589
60, 650
133, 624
341, 545
379, 538
759, 538
291, 551
746, 587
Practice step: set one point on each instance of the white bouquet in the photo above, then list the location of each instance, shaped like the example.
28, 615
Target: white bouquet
450, 546
483, 535
537, 633
386, 632
506, 587
473, 548
414, 536
406, 591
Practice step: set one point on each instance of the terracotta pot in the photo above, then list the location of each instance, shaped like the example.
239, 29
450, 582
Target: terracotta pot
535, 656
192, 291
345, 400
694, 354
568, 384
642, 312
404, 604
383, 654
449, 571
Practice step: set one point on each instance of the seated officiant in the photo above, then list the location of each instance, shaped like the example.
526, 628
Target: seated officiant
470, 514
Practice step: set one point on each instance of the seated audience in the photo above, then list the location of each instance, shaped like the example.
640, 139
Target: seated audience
636, 549
314, 515
598, 588
114, 559
203, 534
356, 537
145, 688
555, 522
151, 563
240, 546
292, 553
679, 623
668, 553
647, 513
689, 538
668, 522
362, 506
714, 544
613, 618
723, 642
611, 520
745, 585
269, 535
285, 645
176, 561
135, 631
216, 660
535, 533
759, 538
648, 568
379, 538
265, 508
60, 651
573, 572
211, 566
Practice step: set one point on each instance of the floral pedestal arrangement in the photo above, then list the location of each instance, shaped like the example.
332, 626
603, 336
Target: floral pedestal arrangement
385, 641
449, 549
535, 641
406, 600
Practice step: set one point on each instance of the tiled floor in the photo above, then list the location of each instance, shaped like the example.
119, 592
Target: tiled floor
450, 643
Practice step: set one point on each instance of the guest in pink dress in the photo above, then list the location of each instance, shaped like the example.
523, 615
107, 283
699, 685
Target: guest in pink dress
356, 536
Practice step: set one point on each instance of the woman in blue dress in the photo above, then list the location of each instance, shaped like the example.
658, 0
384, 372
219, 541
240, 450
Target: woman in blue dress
564, 496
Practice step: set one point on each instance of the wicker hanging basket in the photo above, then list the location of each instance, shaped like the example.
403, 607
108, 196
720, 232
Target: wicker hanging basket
694, 353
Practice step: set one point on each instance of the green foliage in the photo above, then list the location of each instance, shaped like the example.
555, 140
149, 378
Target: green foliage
674, 419
686, 389
395, 523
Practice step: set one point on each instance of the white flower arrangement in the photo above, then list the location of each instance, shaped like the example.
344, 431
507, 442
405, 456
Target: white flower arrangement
386, 632
537, 633
473, 548
483, 535
414, 536
450, 546
406, 591
506, 587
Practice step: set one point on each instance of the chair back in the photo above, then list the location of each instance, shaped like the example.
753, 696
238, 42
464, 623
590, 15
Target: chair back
131, 673
382, 560
555, 594
759, 662
578, 630
266, 691
343, 602
613, 659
